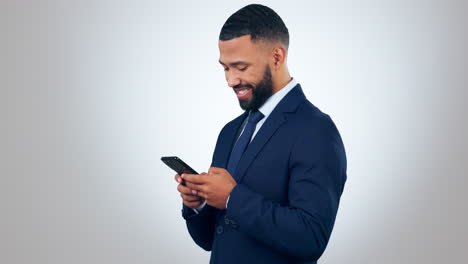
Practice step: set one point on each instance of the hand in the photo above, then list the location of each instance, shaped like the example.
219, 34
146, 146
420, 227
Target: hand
188, 195
215, 187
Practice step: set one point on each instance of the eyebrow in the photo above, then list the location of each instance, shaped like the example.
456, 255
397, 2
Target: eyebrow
236, 63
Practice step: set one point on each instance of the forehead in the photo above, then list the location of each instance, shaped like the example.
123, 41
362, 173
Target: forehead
240, 49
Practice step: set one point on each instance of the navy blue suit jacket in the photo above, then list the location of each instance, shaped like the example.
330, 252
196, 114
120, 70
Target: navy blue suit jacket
289, 183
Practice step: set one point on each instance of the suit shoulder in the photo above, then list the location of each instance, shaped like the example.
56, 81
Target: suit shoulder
315, 128
308, 116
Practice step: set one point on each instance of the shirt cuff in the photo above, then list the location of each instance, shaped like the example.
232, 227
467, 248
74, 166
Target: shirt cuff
227, 201
197, 210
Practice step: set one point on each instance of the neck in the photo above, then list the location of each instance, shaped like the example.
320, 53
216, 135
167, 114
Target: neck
281, 81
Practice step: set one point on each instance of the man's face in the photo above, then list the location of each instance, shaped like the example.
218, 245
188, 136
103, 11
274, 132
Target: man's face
247, 70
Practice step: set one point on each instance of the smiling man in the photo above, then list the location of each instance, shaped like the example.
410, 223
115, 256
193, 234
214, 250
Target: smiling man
272, 192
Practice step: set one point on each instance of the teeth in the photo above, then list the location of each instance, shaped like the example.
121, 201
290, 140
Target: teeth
242, 92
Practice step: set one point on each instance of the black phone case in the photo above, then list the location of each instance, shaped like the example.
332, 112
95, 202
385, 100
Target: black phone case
178, 165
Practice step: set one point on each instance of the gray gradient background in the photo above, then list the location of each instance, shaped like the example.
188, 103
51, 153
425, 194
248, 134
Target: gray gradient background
93, 93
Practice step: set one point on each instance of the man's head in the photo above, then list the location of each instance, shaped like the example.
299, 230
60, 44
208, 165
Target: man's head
253, 46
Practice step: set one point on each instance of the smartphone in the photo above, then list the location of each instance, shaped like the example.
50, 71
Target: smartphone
178, 165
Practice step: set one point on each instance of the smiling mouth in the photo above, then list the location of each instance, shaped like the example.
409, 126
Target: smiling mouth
242, 92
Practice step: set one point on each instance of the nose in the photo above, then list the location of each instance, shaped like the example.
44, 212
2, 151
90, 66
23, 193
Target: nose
232, 80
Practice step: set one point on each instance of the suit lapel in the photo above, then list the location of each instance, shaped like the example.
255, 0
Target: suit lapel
275, 120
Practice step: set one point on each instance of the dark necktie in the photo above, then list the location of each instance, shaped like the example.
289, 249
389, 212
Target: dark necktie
243, 141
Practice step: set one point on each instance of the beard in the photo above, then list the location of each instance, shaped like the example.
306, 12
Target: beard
260, 92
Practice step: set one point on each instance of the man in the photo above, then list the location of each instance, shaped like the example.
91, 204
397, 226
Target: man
272, 192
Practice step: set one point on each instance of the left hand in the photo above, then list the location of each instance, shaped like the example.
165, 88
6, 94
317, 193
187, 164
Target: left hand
215, 187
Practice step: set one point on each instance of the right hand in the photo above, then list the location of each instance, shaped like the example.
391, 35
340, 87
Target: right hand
189, 198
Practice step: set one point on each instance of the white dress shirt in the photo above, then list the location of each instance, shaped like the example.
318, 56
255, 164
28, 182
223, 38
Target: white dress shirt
266, 110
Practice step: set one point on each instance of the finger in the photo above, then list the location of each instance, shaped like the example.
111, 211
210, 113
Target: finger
203, 195
187, 191
193, 186
183, 189
190, 198
194, 192
178, 178
194, 178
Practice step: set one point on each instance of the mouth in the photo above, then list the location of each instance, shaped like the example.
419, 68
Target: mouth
243, 93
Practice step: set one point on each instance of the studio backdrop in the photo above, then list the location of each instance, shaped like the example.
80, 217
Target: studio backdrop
93, 93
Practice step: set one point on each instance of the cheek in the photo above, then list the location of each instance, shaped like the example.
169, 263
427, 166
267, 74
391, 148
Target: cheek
254, 77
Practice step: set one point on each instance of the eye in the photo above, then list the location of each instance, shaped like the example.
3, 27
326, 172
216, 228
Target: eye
226, 69
243, 69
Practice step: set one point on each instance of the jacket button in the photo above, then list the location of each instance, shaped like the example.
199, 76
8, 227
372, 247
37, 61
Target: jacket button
226, 220
219, 230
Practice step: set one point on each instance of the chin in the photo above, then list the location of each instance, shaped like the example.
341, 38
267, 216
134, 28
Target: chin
245, 105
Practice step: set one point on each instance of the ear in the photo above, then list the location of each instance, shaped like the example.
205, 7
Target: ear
279, 57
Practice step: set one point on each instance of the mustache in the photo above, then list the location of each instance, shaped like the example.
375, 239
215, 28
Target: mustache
243, 86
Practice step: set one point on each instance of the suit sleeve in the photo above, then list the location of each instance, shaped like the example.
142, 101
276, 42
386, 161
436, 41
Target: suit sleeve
301, 228
201, 225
